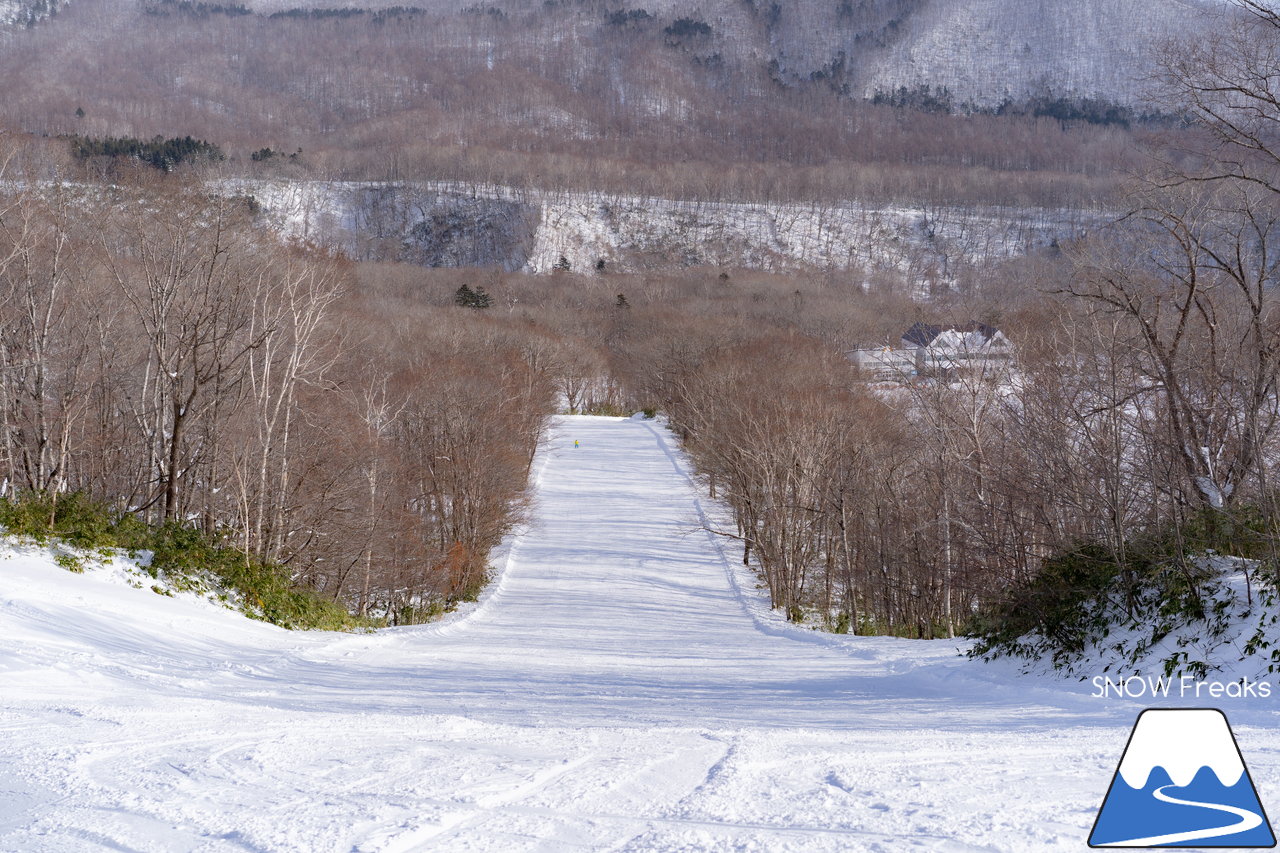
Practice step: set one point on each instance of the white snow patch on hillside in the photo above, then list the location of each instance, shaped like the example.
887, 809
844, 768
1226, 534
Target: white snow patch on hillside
28, 12
1225, 645
632, 233
10, 10
623, 688
986, 51
113, 567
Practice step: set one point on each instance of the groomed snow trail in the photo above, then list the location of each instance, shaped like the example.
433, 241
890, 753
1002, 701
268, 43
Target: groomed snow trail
621, 688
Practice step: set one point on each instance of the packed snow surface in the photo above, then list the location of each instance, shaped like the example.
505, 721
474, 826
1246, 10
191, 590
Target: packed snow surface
622, 687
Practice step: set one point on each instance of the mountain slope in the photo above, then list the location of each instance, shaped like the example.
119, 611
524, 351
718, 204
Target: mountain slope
986, 52
451, 225
982, 52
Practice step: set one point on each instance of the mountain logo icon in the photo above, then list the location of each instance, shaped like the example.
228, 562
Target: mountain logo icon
1182, 782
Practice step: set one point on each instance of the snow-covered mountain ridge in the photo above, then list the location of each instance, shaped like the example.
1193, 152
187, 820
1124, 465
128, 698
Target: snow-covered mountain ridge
983, 53
987, 52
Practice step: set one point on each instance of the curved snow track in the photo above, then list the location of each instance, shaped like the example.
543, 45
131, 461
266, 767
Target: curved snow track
1245, 821
622, 687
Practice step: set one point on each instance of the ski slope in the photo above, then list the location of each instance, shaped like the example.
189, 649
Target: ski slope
621, 687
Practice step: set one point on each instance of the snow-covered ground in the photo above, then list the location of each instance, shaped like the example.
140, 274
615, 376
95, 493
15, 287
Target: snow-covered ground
622, 687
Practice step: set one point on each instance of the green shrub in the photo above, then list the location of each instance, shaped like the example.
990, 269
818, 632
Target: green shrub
266, 590
1246, 531
182, 555
422, 614
70, 562
73, 518
471, 591
1091, 601
605, 409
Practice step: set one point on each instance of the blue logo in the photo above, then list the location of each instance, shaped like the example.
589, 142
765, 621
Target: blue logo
1182, 782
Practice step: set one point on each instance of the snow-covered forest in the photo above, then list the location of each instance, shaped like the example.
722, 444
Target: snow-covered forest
622, 686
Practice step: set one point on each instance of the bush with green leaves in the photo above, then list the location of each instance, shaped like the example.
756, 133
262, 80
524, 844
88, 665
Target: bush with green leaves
70, 562
72, 518
1166, 600
183, 556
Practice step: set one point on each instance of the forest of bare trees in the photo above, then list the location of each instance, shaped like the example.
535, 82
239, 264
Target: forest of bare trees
164, 355
1138, 427
910, 506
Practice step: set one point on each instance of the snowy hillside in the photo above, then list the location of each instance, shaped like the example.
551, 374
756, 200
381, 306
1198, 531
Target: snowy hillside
622, 687
453, 225
982, 51
988, 51
27, 12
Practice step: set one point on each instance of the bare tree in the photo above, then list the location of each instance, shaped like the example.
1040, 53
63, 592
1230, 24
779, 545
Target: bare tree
183, 265
1201, 309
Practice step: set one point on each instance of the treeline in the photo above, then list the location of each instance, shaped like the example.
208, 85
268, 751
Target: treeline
869, 511
163, 355
1096, 111
158, 153
1139, 418
854, 504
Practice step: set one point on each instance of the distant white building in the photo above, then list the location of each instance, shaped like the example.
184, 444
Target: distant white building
933, 350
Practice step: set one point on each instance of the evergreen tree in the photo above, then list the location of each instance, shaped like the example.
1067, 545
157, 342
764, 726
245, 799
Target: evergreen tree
468, 298
159, 153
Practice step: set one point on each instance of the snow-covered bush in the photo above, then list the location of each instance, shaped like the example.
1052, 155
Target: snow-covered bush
1158, 605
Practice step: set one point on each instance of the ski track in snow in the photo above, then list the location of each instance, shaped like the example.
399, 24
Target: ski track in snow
621, 687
